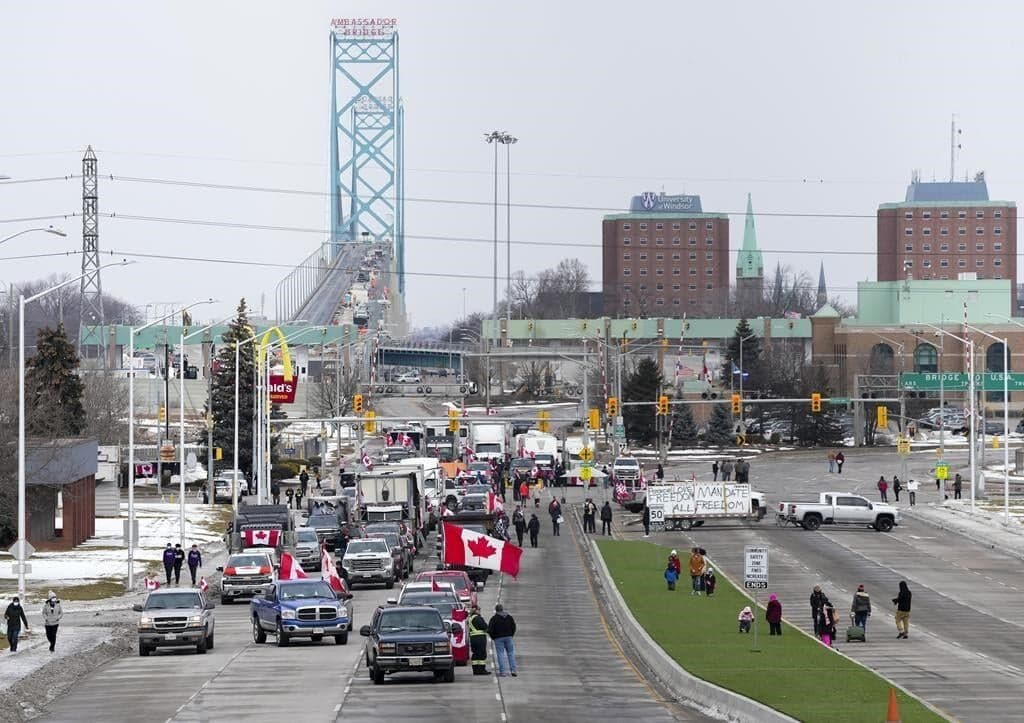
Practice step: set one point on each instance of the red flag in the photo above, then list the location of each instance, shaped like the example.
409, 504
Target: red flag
389, 441
434, 587
270, 538
203, 585
494, 503
465, 547
328, 571
290, 568
151, 583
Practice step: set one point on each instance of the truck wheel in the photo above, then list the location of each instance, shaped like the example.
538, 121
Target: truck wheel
341, 639
427, 390
449, 675
144, 650
209, 642
812, 522
316, 638
282, 636
201, 647
259, 635
883, 524
419, 390
226, 600
378, 675
389, 584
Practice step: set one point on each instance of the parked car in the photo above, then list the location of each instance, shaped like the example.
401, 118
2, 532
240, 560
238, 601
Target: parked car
409, 378
301, 609
175, 617
408, 639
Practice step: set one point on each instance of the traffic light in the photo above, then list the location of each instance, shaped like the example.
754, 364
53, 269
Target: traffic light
595, 419
815, 402
453, 420
357, 403
662, 404
370, 422
542, 421
612, 407
737, 404
162, 414
882, 414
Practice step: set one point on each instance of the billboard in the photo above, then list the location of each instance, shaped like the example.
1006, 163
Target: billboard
282, 391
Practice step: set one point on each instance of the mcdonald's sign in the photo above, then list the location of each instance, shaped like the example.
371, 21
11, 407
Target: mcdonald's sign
282, 390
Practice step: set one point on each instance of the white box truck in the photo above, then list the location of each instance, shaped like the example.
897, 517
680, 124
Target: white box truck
489, 440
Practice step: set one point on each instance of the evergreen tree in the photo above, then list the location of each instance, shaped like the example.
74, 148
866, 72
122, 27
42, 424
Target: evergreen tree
752, 362
53, 389
683, 427
224, 392
720, 430
819, 429
642, 385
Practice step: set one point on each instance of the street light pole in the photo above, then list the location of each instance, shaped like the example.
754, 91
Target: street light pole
508, 141
748, 336
1006, 417
495, 138
47, 229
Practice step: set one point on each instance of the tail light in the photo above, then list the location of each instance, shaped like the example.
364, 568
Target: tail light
265, 570
229, 571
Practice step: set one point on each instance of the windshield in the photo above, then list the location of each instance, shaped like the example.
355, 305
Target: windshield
322, 521
382, 529
480, 465
306, 590
477, 489
305, 536
442, 603
458, 580
626, 463
174, 600
421, 620
547, 459
488, 447
473, 502
248, 561
358, 546
522, 464
389, 537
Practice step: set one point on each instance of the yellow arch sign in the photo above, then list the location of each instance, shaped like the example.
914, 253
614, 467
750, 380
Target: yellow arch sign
286, 357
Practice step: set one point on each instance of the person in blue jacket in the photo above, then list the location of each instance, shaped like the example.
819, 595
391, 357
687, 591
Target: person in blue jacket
169, 561
195, 559
671, 575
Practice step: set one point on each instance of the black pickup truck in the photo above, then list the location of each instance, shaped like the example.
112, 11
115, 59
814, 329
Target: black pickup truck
408, 639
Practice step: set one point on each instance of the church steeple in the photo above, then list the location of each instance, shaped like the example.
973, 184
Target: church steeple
748, 262
822, 290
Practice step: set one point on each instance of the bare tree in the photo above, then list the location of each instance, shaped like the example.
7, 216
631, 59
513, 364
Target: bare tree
105, 398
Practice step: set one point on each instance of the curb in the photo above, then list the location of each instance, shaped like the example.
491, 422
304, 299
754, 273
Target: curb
992, 543
688, 689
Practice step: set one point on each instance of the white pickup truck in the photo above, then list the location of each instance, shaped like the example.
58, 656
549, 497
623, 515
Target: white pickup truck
839, 508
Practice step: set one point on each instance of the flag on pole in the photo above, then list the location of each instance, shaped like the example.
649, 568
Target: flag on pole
367, 462
494, 503
203, 585
290, 568
328, 571
465, 547
389, 441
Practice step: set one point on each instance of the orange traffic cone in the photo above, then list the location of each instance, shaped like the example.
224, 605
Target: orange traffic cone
892, 713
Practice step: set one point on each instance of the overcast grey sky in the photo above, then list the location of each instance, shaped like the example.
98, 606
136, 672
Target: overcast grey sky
718, 99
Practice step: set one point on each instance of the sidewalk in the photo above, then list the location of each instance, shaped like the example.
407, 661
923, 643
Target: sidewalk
983, 526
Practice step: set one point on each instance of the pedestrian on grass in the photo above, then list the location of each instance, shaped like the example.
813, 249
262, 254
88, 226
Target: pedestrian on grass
902, 603
861, 609
831, 461
671, 575
675, 563
52, 613
606, 519
696, 567
773, 615
501, 628
840, 459
195, 559
912, 492
883, 488
745, 618
519, 522
179, 558
958, 486
14, 615
826, 623
477, 641
555, 511
169, 562
897, 486
646, 519
533, 527
817, 603
709, 581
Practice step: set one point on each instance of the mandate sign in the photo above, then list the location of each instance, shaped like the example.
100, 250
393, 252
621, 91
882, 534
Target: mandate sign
755, 567
694, 499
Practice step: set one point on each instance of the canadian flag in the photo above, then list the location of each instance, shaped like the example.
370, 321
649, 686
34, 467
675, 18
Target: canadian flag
203, 585
465, 547
459, 639
434, 586
270, 538
367, 462
151, 583
290, 568
389, 441
494, 503
405, 440
328, 571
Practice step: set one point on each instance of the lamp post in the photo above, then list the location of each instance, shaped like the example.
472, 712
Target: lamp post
970, 387
1006, 416
22, 541
42, 229
495, 137
508, 141
748, 336
942, 387
132, 333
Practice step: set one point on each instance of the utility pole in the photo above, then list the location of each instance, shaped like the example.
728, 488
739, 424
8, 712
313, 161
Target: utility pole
209, 422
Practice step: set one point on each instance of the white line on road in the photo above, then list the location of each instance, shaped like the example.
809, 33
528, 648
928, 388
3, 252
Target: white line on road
337, 708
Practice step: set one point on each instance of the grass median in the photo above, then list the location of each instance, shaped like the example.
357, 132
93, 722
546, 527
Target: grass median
792, 673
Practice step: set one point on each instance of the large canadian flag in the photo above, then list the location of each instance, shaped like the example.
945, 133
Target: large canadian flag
270, 538
290, 568
328, 571
465, 547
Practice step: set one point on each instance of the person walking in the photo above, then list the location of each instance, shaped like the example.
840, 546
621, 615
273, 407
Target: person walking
168, 559
883, 488
519, 522
606, 518
840, 459
696, 567
709, 581
304, 482
773, 615
501, 628
319, 481
817, 603
52, 613
646, 519
555, 511
179, 558
275, 491
290, 494
533, 527
659, 474
902, 603
604, 475
861, 609
195, 560
827, 623
589, 516
14, 615
897, 486
714, 470
477, 641
958, 486
675, 563
831, 461
912, 492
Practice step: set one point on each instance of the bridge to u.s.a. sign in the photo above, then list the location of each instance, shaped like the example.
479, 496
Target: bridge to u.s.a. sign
959, 382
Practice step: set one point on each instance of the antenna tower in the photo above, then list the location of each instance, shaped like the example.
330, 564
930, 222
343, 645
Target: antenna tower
954, 148
90, 331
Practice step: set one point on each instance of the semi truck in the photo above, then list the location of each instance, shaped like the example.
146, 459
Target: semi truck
489, 440
682, 505
539, 446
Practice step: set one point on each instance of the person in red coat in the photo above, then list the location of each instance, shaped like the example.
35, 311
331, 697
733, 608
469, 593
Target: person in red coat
773, 614
675, 563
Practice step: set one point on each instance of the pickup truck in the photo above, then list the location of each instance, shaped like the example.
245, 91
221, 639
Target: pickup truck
175, 617
368, 561
839, 508
246, 575
301, 609
408, 639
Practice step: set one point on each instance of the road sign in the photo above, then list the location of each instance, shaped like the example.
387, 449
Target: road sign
619, 431
755, 567
586, 454
585, 474
19, 567
657, 514
942, 471
289, 451
957, 381
839, 400
903, 445
26, 551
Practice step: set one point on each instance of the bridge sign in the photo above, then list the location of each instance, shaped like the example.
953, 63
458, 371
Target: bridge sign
957, 381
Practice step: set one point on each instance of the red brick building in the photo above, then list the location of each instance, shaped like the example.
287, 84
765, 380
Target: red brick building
60, 491
665, 257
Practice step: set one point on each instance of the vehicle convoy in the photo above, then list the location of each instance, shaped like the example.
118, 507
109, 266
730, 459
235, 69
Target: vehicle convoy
307, 548
175, 617
689, 504
245, 575
269, 525
301, 609
367, 562
408, 639
395, 493
839, 508
489, 440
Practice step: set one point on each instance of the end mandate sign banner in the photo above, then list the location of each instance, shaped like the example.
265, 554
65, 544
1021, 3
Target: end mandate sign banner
755, 567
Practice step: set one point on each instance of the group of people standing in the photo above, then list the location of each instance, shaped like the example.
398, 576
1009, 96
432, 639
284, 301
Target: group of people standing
835, 461
724, 470
897, 486
702, 575
590, 513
